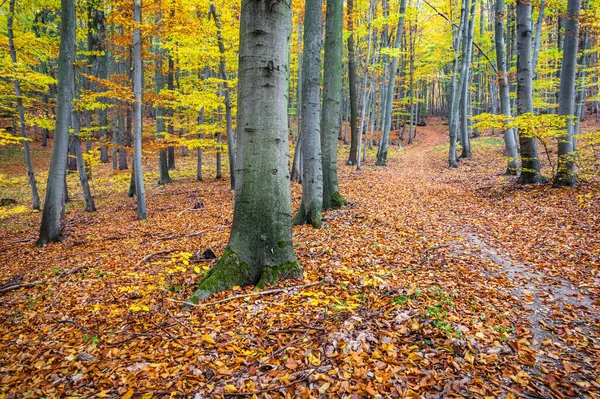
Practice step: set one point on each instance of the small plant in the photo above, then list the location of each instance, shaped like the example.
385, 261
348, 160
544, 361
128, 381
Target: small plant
401, 300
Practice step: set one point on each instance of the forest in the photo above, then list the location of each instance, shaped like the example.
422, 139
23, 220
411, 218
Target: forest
300, 199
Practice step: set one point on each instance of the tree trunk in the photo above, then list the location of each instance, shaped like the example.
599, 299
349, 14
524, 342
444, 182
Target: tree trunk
226, 95
13, 56
170, 116
83, 177
509, 137
412, 84
457, 88
352, 83
260, 249
565, 173
465, 96
538, 36
332, 101
366, 92
54, 205
312, 177
389, 98
159, 84
138, 112
200, 136
530, 173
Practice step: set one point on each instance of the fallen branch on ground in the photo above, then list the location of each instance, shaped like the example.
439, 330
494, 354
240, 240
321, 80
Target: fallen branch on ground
231, 298
152, 255
34, 283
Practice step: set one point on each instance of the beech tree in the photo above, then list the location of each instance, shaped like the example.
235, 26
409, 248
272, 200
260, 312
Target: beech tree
260, 249
138, 175
312, 173
332, 103
565, 174
530, 169
54, 204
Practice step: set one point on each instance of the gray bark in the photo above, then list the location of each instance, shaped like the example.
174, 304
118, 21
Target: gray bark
138, 113
352, 83
389, 97
366, 92
332, 104
312, 177
83, 177
530, 173
260, 247
457, 87
159, 85
565, 173
53, 213
538, 36
509, 136
35, 199
465, 97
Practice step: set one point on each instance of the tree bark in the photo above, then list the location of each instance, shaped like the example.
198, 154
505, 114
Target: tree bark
332, 103
260, 249
138, 112
389, 98
83, 177
457, 87
565, 173
35, 199
352, 157
53, 213
226, 95
159, 85
312, 178
530, 173
509, 137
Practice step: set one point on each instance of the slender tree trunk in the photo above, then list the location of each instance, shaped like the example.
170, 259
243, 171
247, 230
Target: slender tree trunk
457, 88
509, 136
295, 175
565, 173
538, 36
159, 85
226, 95
13, 56
389, 98
138, 113
366, 92
83, 177
170, 113
465, 103
312, 177
412, 84
260, 249
530, 173
332, 100
352, 83
200, 136
54, 205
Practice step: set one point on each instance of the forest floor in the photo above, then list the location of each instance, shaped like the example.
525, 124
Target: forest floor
432, 283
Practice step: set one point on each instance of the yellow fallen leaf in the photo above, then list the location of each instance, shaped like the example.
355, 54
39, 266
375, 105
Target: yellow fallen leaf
469, 358
208, 338
230, 388
128, 394
197, 270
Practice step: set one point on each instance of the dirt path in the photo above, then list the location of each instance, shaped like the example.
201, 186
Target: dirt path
558, 308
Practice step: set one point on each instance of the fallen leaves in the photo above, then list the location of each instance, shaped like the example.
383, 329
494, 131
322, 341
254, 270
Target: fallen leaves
395, 301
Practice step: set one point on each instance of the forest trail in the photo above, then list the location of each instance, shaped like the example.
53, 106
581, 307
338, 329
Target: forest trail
433, 282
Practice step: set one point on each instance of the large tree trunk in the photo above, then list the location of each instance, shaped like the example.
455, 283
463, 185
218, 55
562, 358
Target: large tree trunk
312, 178
137, 171
509, 137
226, 95
352, 83
13, 56
389, 93
332, 102
54, 205
530, 173
159, 84
260, 247
565, 173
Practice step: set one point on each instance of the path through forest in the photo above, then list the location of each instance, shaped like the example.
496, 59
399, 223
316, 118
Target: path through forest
432, 283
